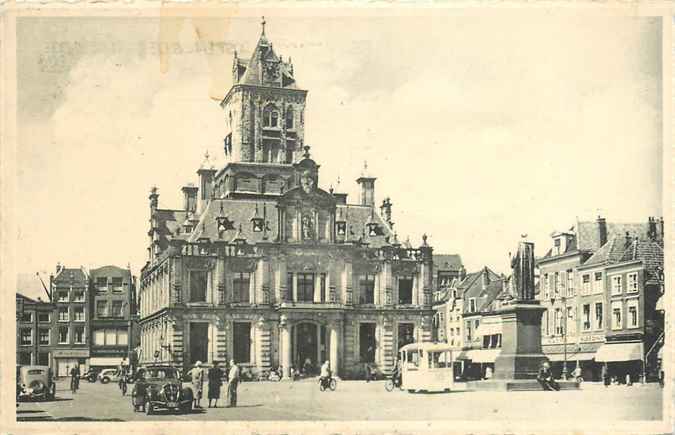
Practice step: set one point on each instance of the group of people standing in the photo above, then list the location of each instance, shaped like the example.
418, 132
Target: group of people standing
215, 382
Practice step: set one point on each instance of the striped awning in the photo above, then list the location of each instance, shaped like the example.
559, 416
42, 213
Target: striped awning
616, 352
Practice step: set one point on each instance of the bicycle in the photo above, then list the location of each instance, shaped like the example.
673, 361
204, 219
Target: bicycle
325, 383
123, 385
392, 383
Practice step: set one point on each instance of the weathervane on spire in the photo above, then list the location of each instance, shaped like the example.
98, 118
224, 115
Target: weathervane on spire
262, 23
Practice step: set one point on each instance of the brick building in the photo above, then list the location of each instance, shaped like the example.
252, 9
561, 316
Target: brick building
575, 281
70, 291
263, 266
113, 305
36, 334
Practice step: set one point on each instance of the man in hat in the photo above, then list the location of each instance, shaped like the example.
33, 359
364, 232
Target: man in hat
215, 381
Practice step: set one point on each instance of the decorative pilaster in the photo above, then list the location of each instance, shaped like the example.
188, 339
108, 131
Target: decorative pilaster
285, 347
263, 345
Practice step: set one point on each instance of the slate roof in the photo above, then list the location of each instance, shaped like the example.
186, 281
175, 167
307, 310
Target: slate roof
472, 287
254, 69
447, 262
240, 212
619, 250
71, 276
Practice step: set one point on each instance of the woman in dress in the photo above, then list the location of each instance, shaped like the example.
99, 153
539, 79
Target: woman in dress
198, 383
215, 382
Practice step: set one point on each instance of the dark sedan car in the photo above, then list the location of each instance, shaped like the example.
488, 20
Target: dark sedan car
159, 387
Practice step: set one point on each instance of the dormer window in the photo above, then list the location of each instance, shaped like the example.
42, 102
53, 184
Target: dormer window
270, 117
556, 246
290, 125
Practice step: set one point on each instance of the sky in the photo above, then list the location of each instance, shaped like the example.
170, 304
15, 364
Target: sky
479, 128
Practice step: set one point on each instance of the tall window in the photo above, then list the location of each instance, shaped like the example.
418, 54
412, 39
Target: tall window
633, 318
586, 284
632, 283
597, 282
586, 317
616, 285
289, 284
547, 286
405, 285
270, 117
78, 314
99, 337
305, 287
558, 321
241, 287
467, 328
570, 321
570, 283
472, 305
117, 309
323, 287
122, 338
63, 335
102, 282
63, 315
556, 246
367, 289
598, 316
289, 118
117, 284
26, 336
616, 315
101, 308
78, 296
43, 317
62, 296
27, 317
198, 282
367, 342
545, 330
242, 342
78, 334
556, 283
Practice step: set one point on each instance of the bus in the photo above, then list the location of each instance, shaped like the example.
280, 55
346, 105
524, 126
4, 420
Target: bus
426, 367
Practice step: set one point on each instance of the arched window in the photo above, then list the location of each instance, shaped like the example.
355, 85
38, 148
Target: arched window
270, 117
289, 119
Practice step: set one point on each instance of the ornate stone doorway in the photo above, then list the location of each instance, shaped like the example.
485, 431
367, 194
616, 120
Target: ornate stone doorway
309, 346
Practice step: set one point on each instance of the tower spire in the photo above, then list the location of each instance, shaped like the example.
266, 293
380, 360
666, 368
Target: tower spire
262, 23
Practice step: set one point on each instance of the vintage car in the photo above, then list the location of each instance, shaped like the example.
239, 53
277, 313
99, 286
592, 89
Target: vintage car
159, 387
35, 383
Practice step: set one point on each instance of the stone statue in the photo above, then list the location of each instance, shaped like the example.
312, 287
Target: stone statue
307, 228
522, 266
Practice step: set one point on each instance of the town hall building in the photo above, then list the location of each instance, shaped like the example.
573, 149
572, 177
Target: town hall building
262, 266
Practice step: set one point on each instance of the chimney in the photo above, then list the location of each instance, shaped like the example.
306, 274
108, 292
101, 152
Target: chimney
206, 173
58, 267
385, 210
190, 198
629, 240
661, 236
367, 184
602, 230
651, 228
462, 273
485, 277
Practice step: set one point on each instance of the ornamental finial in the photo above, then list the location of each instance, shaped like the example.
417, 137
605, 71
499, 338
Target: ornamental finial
262, 23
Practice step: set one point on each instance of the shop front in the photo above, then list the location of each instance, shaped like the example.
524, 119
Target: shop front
624, 361
64, 360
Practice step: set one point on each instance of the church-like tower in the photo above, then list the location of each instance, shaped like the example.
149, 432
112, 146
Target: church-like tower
264, 109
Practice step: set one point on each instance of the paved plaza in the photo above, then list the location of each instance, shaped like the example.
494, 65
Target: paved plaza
357, 400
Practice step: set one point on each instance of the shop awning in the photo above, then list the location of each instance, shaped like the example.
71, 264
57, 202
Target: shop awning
105, 361
489, 329
581, 356
616, 352
480, 355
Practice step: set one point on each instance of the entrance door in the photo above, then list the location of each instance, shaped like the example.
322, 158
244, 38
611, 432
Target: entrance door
307, 347
199, 342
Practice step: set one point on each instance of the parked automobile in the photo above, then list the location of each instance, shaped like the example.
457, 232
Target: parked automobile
108, 375
160, 387
35, 383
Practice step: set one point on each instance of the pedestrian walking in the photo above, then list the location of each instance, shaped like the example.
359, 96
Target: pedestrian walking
233, 383
215, 381
75, 378
605, 375
198, 383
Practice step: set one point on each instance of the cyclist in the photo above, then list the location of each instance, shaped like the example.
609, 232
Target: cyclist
122, 383
75, 378
325, 374
396, 374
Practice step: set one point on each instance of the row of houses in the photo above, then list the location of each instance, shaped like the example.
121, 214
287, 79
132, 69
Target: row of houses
87, 319
601, 284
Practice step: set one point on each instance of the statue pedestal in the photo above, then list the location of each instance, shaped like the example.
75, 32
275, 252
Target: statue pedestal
521, 354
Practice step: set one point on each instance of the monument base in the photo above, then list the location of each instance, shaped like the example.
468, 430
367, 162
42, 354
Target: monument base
518, 366
515, 385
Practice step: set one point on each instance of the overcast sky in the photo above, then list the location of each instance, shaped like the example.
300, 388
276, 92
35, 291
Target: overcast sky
479, 128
